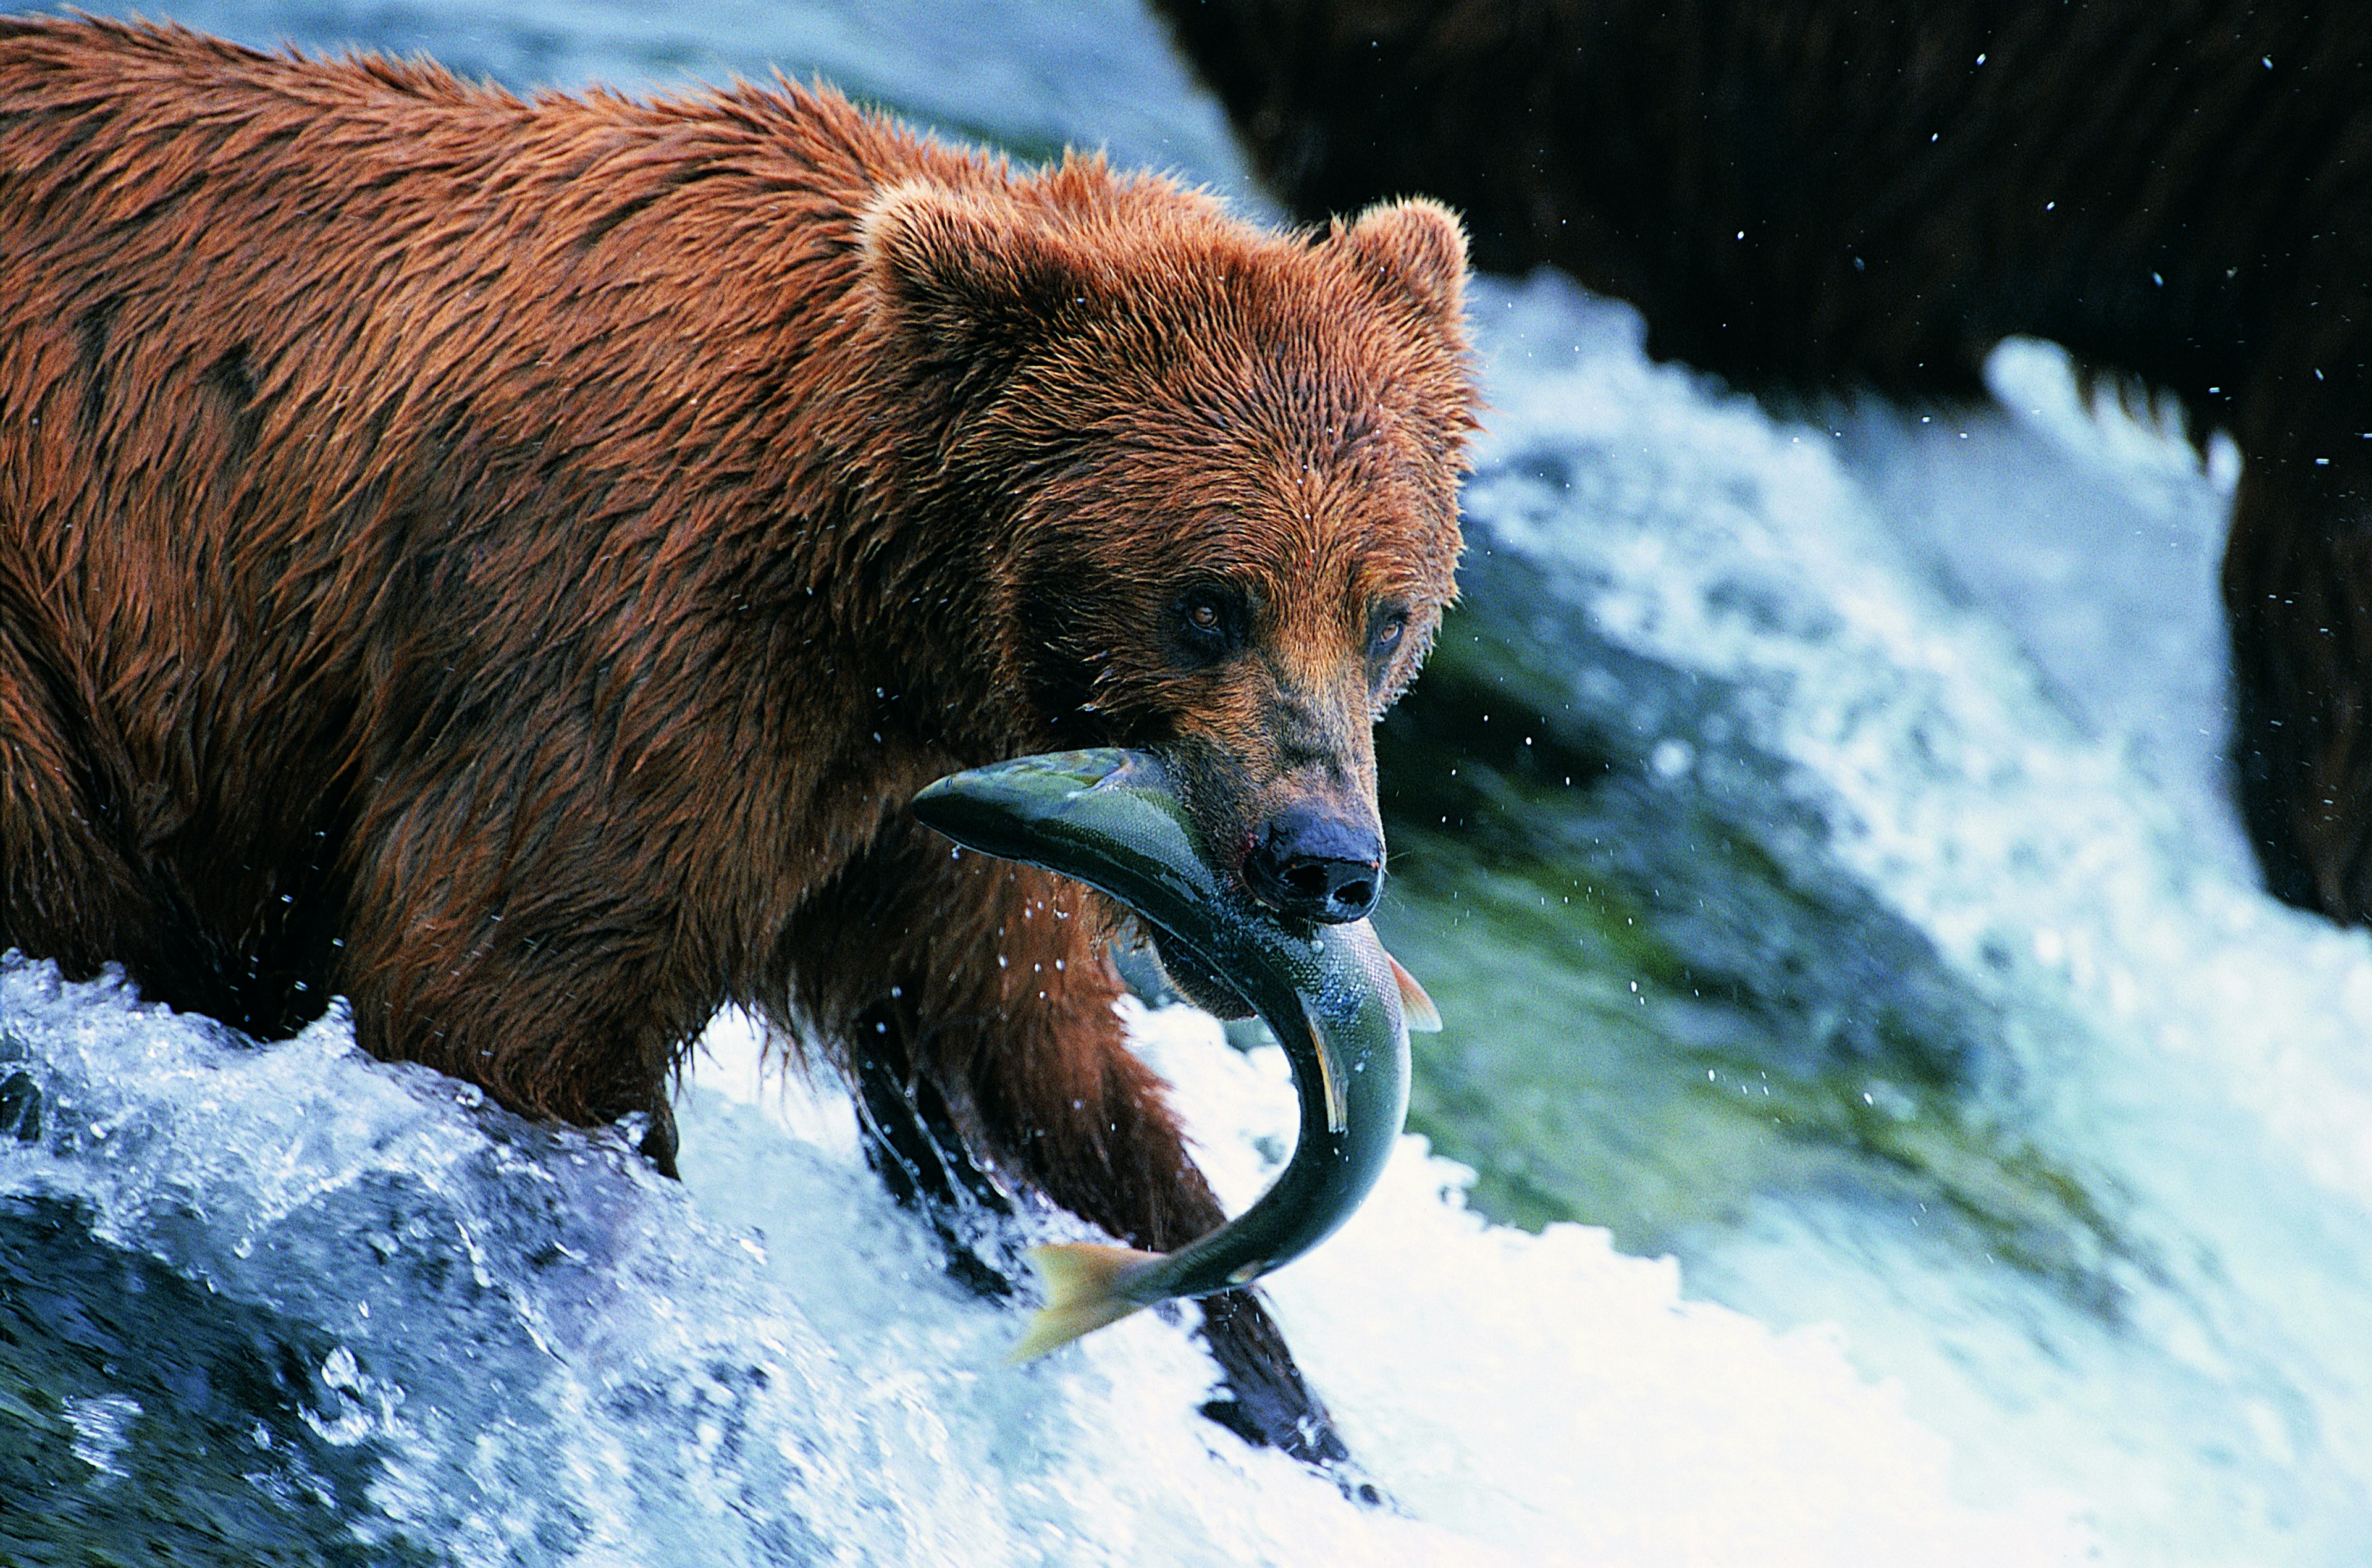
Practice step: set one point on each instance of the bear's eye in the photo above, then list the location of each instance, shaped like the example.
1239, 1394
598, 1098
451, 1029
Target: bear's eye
1210, 623
1390, 626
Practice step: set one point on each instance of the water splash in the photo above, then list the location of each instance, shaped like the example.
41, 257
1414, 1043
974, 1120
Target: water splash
539, 1353
2169, 1105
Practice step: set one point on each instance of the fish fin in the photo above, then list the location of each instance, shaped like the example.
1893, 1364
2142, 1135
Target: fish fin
1082, 1283
1418, 1013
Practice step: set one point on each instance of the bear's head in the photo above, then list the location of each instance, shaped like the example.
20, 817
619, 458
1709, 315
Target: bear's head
1216, 469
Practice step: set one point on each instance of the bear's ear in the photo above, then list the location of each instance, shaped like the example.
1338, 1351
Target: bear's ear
1416, 248
966, 274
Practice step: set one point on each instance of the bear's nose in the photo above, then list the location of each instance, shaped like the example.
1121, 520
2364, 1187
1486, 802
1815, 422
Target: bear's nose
1315, 866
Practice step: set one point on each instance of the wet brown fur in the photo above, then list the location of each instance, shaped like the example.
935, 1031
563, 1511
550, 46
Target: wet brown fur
508, 563
1834, 195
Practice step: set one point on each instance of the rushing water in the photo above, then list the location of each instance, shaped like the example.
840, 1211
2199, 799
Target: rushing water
1814, 831
1890, 959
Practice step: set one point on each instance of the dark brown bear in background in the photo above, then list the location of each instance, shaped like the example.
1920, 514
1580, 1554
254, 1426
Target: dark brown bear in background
509, 565
1839, 194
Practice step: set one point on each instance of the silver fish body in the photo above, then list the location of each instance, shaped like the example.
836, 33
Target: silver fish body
1331, 994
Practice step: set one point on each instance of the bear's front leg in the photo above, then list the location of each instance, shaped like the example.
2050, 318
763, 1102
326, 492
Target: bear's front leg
976, 993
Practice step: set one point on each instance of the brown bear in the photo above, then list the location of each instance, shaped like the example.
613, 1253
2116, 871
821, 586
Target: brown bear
509, 564
1835, 194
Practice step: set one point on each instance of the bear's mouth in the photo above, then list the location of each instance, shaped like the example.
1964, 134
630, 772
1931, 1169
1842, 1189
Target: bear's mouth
1188, 977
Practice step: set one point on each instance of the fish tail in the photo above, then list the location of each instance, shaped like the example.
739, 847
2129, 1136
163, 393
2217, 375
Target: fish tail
1083, 1284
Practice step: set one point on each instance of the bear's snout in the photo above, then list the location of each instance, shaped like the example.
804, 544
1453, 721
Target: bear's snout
1316, 865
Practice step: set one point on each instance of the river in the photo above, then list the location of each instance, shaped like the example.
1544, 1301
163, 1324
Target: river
1879, 1118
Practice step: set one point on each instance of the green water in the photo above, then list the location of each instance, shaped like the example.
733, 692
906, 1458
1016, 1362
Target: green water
1661, 1008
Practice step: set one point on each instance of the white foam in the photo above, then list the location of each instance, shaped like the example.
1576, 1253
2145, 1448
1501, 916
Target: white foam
1969, 725
551, 1345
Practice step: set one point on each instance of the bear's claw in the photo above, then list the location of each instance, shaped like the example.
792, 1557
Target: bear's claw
1264, 1400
